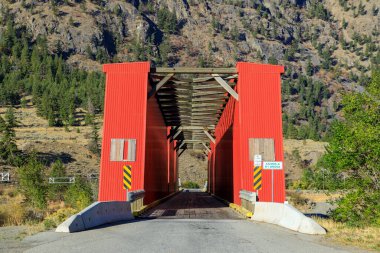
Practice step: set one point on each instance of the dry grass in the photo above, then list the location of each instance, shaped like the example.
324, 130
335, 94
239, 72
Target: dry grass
321, 196
366, 238
52, 143
12, 212
31, 229
315, 196
297, 200
302, 199
298, 155
308, 149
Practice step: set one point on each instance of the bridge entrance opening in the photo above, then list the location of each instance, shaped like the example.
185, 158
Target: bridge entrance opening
192, 101
153, 115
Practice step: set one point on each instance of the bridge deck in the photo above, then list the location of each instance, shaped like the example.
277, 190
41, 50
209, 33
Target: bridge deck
192, 205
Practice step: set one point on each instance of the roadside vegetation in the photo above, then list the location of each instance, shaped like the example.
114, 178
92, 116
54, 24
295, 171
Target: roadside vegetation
33, 201
190, 185
351, 167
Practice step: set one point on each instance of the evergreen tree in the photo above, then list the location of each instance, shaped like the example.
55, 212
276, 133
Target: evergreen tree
309, 68
326, 59
167, 20
94, 145
32, 182
272, 60
8, 147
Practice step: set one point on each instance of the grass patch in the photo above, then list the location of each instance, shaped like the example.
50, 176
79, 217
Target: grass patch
15, 212
12, 210
362, 237
297, 200
56, 218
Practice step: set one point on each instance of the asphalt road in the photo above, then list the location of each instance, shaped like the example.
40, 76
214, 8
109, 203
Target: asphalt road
189, 222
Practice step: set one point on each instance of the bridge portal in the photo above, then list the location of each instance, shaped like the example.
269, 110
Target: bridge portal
152, 114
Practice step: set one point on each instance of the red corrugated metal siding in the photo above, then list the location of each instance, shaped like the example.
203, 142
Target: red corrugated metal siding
156, 154
224, 166
223, 153
237, 174
257, 114
174, 165
260, 117
124, 118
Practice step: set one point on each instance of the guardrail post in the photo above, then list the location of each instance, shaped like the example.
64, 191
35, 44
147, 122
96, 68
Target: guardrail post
248, 200
136, 198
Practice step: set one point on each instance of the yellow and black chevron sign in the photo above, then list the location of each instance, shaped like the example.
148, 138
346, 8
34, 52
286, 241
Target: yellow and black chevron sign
257, 178
127, 177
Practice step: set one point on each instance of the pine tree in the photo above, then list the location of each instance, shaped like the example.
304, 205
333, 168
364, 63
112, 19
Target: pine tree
32, 182
8, 147
94, 145
309, 68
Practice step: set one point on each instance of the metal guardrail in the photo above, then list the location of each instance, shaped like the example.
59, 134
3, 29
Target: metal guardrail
4, 177
247, 195
248, 200
61, 180
135, 195
136, 198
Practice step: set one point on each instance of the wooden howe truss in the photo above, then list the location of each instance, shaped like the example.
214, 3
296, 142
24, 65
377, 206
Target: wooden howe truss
192, 100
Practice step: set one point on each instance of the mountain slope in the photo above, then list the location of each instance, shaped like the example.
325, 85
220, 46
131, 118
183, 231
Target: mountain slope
327, 47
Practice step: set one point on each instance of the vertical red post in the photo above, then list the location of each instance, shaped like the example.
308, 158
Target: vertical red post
260, 116
257, 114
124, 118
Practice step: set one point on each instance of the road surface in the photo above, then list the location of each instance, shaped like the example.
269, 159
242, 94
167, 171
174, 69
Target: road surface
189, 222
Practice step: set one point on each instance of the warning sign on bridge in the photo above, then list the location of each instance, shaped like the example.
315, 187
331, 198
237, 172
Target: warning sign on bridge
127, 177
272, 165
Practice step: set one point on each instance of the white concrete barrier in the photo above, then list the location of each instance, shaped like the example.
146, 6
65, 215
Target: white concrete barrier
97, 214
72, 224
286, 216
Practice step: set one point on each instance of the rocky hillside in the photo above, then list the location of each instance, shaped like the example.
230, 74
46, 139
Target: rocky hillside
327, 47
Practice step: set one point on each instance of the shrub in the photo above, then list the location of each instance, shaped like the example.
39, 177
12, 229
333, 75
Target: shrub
56, 218
79, 194
352, 157
358, 208
56, 191
190, 185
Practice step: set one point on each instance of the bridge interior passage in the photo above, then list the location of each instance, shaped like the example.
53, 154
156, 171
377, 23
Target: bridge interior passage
192, 101
152, 115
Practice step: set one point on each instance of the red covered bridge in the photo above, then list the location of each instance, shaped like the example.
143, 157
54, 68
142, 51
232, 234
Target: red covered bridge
152, 114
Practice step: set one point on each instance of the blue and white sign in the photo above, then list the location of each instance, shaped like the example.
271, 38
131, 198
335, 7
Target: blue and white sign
272, 165
257, 160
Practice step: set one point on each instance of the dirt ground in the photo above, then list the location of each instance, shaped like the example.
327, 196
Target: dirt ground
299, 154
33, 134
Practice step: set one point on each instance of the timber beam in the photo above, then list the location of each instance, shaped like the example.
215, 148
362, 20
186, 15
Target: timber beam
184, 70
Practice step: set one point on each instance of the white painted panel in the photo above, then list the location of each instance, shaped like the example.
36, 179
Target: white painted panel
131, 150
117, 150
